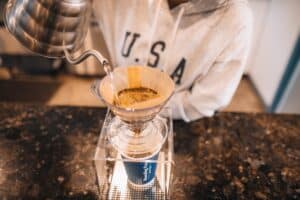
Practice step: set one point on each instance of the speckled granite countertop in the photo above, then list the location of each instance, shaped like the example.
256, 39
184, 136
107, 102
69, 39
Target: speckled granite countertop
46, 153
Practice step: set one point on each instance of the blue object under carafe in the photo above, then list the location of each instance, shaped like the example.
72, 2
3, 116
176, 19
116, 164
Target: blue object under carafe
141, 173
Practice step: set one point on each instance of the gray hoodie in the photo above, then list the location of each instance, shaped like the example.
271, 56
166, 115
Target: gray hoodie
207, 58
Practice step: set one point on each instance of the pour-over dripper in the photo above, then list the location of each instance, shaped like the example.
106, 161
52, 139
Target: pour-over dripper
135, 132
136, 114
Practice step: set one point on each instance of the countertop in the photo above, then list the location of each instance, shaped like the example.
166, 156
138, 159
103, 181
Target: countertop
47, 152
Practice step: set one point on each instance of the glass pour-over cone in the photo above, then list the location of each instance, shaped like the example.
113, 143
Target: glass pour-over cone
136, 77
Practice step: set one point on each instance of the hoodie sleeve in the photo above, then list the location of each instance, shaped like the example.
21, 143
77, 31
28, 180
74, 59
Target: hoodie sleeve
215, 89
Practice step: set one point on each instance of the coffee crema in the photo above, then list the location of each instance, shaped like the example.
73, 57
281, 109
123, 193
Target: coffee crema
129, 96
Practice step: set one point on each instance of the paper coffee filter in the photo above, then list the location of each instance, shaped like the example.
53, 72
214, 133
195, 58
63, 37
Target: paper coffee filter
134, 77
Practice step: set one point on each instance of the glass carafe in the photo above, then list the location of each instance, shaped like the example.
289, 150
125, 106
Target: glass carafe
133, 168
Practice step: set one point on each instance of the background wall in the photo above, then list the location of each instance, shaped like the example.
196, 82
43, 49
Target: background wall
277, 26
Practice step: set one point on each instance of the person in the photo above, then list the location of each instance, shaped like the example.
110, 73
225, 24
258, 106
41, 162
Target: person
207, 58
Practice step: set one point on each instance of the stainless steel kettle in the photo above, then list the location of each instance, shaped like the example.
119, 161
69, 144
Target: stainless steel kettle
51, 28
43, 25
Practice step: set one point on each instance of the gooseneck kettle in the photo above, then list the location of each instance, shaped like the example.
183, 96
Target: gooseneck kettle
52, 28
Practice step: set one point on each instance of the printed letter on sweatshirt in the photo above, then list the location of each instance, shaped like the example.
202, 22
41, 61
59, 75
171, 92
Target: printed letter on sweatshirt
177, 74
130, 45
155, 53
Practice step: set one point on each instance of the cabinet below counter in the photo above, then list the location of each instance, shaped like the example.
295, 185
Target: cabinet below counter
47, 153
